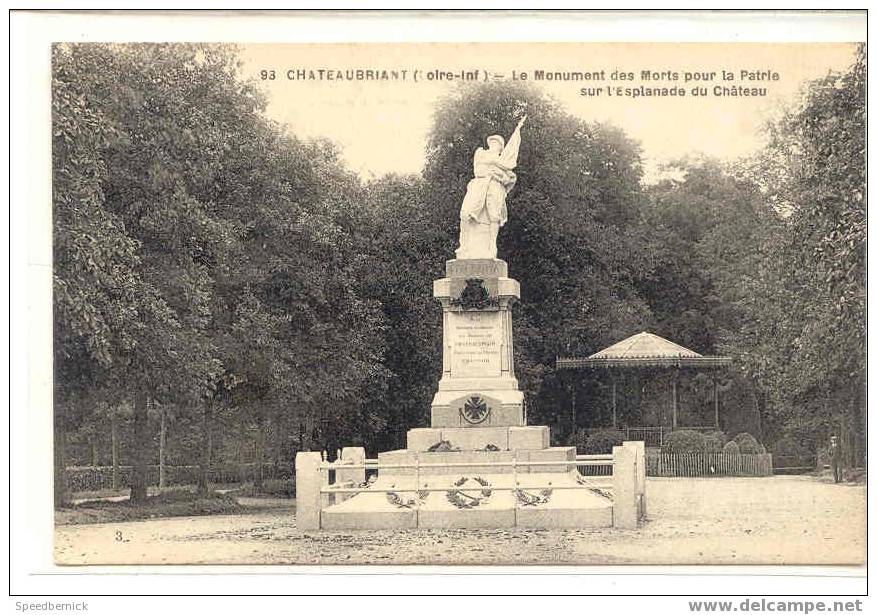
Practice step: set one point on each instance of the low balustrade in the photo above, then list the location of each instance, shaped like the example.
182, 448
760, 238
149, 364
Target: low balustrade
320, 483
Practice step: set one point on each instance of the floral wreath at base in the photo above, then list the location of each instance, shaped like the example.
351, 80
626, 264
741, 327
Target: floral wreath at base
367, 483
528, 499
465, 501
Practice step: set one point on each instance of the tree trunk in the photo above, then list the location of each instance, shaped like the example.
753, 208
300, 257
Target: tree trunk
60, 454
114, 443
95, 458
277, 445
162, 445
206, 441
139, 471
757, 418
258, 477
240, 456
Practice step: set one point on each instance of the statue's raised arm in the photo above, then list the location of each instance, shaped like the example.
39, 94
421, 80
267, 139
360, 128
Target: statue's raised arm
484, 208
509, 154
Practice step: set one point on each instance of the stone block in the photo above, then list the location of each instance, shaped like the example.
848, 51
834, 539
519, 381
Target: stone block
468, 439
400, 457
472, 518
504, 388
448, 463
476, 268
639, 448
307, 490
422, 438
624, 500
522, 455
530, 438
556, 453
353, 455
505, 288
505, 408
507, 415
564, 518
369, 520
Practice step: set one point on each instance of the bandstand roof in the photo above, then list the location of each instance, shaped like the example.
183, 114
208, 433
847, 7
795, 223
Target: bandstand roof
643, 350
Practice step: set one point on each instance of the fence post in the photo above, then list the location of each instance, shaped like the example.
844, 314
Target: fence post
354, 455
308, 481
624, 509
639, 449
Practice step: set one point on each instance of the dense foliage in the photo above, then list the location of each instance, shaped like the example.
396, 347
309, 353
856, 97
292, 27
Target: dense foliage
684, 441
227, 292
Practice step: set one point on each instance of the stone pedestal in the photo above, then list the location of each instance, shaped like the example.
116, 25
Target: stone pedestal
478, 387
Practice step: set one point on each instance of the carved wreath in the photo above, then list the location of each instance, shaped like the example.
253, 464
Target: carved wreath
464, 500
400, 502
529, 499
442, 446
475, 296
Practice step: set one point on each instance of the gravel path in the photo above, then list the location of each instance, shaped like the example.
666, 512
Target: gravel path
775, 520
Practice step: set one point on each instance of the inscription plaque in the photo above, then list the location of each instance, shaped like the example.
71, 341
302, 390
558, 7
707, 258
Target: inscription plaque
476, 344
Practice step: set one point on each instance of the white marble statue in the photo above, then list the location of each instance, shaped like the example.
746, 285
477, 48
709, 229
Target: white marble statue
484, 208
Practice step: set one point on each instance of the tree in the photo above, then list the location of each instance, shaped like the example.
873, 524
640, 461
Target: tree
396, 270
96, 285
809, 317
709, 235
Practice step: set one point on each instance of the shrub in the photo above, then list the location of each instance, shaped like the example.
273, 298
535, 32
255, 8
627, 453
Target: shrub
731, 448
280, 487
721, 436
172, 496
791, 452
713, 442
788, 445
602, 441
684, 441
748, 444
578, 440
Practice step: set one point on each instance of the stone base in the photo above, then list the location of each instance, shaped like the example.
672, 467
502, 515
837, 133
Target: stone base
506, 408
469, 439
337, 518
568, 504
446, 460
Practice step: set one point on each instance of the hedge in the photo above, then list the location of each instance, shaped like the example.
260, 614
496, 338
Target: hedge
98, 478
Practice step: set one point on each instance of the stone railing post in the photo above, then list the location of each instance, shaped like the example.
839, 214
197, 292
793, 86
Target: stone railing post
308, 481
353, 455
624, 508
639, 449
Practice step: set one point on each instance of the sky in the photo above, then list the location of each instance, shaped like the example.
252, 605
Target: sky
382, 125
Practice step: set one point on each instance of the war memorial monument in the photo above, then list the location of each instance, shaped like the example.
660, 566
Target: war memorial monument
478, 464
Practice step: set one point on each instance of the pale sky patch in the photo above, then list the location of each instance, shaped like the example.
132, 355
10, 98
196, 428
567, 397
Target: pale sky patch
382, 126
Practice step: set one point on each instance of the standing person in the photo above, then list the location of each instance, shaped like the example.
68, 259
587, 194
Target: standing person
834, 453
